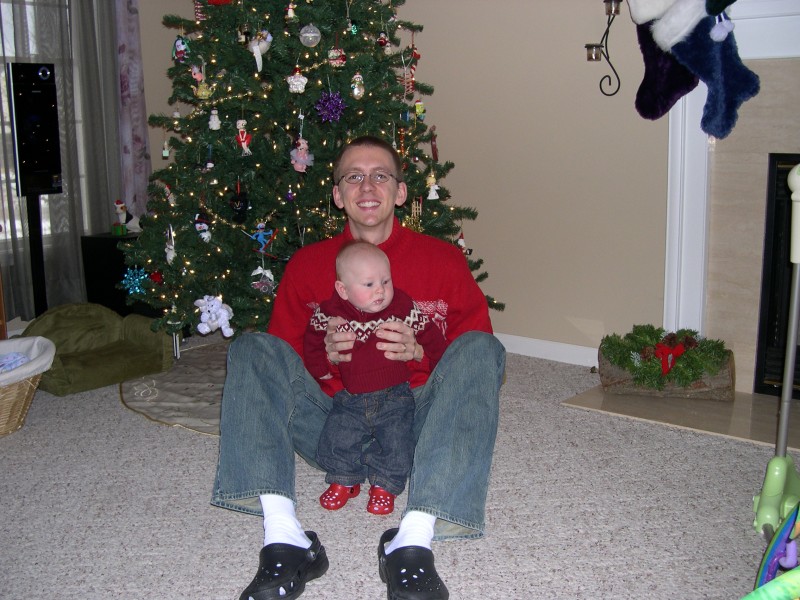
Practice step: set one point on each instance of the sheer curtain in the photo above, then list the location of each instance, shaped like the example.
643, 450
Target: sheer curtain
94, 45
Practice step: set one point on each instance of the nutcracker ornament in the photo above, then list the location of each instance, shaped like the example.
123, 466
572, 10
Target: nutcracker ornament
243, 138
213, 121
434, 145
357, 86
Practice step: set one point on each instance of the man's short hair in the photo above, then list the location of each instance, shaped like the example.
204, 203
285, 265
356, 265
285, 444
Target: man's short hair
374, 142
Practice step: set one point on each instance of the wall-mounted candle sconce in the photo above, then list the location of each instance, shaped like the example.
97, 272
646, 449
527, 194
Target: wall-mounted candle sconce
594, 52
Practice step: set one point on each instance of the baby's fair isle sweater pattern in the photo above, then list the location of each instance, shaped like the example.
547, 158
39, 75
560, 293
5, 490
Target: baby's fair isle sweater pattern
369, 370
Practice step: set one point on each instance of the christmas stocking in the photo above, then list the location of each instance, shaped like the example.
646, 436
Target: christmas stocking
717, 64
685, 30
665, 79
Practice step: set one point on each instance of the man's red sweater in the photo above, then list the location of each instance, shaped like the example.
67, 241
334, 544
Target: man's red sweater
433, 272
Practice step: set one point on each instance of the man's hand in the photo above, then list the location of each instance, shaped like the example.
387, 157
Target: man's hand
337, 342
400, 344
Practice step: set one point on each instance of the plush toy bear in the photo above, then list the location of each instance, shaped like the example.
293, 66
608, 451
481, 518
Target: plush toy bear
214, 314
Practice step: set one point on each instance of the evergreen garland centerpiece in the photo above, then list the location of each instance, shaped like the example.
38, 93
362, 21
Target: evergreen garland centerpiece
655, 358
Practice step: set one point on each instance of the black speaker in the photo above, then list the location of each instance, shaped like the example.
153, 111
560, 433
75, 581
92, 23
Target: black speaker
34, 111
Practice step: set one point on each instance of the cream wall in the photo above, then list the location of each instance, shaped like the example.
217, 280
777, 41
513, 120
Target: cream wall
571, 186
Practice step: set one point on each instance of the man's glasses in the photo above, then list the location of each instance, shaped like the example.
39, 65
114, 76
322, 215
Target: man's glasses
378, 177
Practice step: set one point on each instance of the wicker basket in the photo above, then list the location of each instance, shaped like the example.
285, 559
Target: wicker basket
18, 386
15, 399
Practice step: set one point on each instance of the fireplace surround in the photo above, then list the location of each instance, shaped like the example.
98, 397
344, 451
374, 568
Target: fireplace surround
776, 280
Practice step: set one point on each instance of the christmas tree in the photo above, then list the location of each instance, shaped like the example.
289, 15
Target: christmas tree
274, 91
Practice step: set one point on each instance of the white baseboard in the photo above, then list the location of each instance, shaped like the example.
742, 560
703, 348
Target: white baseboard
566, 353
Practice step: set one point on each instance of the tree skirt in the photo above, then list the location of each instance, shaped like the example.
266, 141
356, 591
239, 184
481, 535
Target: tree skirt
188, 395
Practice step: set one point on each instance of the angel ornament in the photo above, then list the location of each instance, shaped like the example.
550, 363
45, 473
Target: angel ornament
243, 138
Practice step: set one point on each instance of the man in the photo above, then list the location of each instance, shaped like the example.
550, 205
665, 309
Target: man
272, 407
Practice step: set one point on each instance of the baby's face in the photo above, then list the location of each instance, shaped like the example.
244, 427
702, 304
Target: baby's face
367, 284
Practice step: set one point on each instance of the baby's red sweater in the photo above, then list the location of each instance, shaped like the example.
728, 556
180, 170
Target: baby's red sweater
369, 370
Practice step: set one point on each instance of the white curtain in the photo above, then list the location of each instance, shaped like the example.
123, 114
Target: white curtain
94, 45
39, 32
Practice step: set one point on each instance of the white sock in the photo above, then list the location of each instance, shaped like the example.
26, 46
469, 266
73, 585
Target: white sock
416, 529
280, 523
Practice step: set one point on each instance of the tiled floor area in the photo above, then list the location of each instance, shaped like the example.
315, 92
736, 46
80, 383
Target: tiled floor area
751, 417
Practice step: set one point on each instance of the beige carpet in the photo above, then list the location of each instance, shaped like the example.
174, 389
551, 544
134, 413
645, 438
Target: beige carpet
188, 395
98, 502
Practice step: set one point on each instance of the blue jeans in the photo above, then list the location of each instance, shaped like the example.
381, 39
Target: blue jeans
369, 435
272, 407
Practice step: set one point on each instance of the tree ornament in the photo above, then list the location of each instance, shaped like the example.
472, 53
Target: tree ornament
259, 46
199, 13
157, 277
463, 245
414, 220
180, 48
332, 226
434, 145
202, 90
383, 39
406, 79
419, 110
169, 248
330, 106
213, 121
310, 35
243, 34
202, 226
263, 236
209, 159
243, 138
165, 150
240, 204
291, 16
301, 157
133, 279
433, 188
297, 82
337, 58
290, 195
266, 281
357, 86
